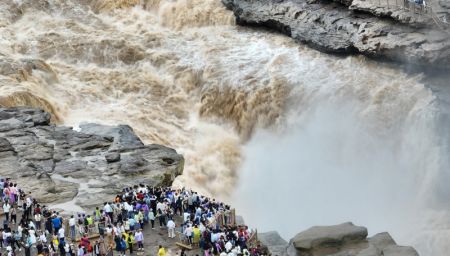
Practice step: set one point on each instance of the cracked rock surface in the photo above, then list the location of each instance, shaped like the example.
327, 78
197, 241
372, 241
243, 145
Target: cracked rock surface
352, 26
59, 164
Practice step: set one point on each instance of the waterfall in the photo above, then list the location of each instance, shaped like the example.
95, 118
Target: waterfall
292, 136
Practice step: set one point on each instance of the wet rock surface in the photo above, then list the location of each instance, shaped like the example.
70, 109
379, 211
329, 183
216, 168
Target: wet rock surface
345, 239
350, 27
54, 161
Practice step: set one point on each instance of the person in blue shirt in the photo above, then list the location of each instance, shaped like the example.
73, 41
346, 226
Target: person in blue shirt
56, 224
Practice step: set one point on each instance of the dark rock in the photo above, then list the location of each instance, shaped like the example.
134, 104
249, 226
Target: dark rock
5, 145
335, 28
112, 157
123, 135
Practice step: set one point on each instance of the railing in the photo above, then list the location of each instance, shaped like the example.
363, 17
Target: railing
252, 241
227, 218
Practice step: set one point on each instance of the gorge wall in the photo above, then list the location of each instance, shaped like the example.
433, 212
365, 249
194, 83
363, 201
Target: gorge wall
359, 26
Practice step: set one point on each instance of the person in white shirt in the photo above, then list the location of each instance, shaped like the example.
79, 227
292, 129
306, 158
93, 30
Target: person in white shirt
139, 238
61, 232
6, 208
72, 226
38, 221
186, 216
228, 246
108, 209
43, 238
171, 228
188, 233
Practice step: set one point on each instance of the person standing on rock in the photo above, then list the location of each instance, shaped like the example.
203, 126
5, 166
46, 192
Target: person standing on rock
161, 251
6, 209
151, 217
130, 242
108, 209
72, 226
171, 228
162, 218
49, 226
13, 213
56, 222
139, 238
38, 221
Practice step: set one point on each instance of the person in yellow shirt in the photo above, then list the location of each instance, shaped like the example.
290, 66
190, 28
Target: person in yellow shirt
196, 238
161, 251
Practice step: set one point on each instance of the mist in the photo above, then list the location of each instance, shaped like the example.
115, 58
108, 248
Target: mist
327, 166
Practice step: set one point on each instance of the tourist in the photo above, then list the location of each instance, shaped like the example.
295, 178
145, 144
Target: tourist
80, 250
188, 233
6, 209
151, 217
61, 233
161, 251
38, 220
139, 238
72, 227
171, 228
123, 245
96, 248
56, 222
130, 241
43, 238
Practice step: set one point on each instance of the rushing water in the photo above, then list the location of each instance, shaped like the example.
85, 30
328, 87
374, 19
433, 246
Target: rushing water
292, 136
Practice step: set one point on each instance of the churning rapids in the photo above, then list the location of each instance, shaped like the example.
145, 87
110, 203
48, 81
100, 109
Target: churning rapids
303, 138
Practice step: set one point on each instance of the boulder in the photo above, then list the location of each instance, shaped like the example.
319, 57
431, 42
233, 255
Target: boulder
324, 240
345, 239
123, 135
112, 157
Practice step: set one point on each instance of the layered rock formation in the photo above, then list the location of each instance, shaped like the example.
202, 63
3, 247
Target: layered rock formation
351, 26
58, 163
345, 240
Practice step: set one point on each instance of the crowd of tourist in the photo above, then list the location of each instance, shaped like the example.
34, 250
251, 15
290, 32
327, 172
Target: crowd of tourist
192, 220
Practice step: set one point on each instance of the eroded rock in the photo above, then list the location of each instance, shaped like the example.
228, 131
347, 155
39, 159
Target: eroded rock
60, 164
345, 239
334, 27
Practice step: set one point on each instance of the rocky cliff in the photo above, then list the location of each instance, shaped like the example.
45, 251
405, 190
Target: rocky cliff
352, 26
58, 163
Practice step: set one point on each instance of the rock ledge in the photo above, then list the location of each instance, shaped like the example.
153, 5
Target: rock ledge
58, 163
346, 27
